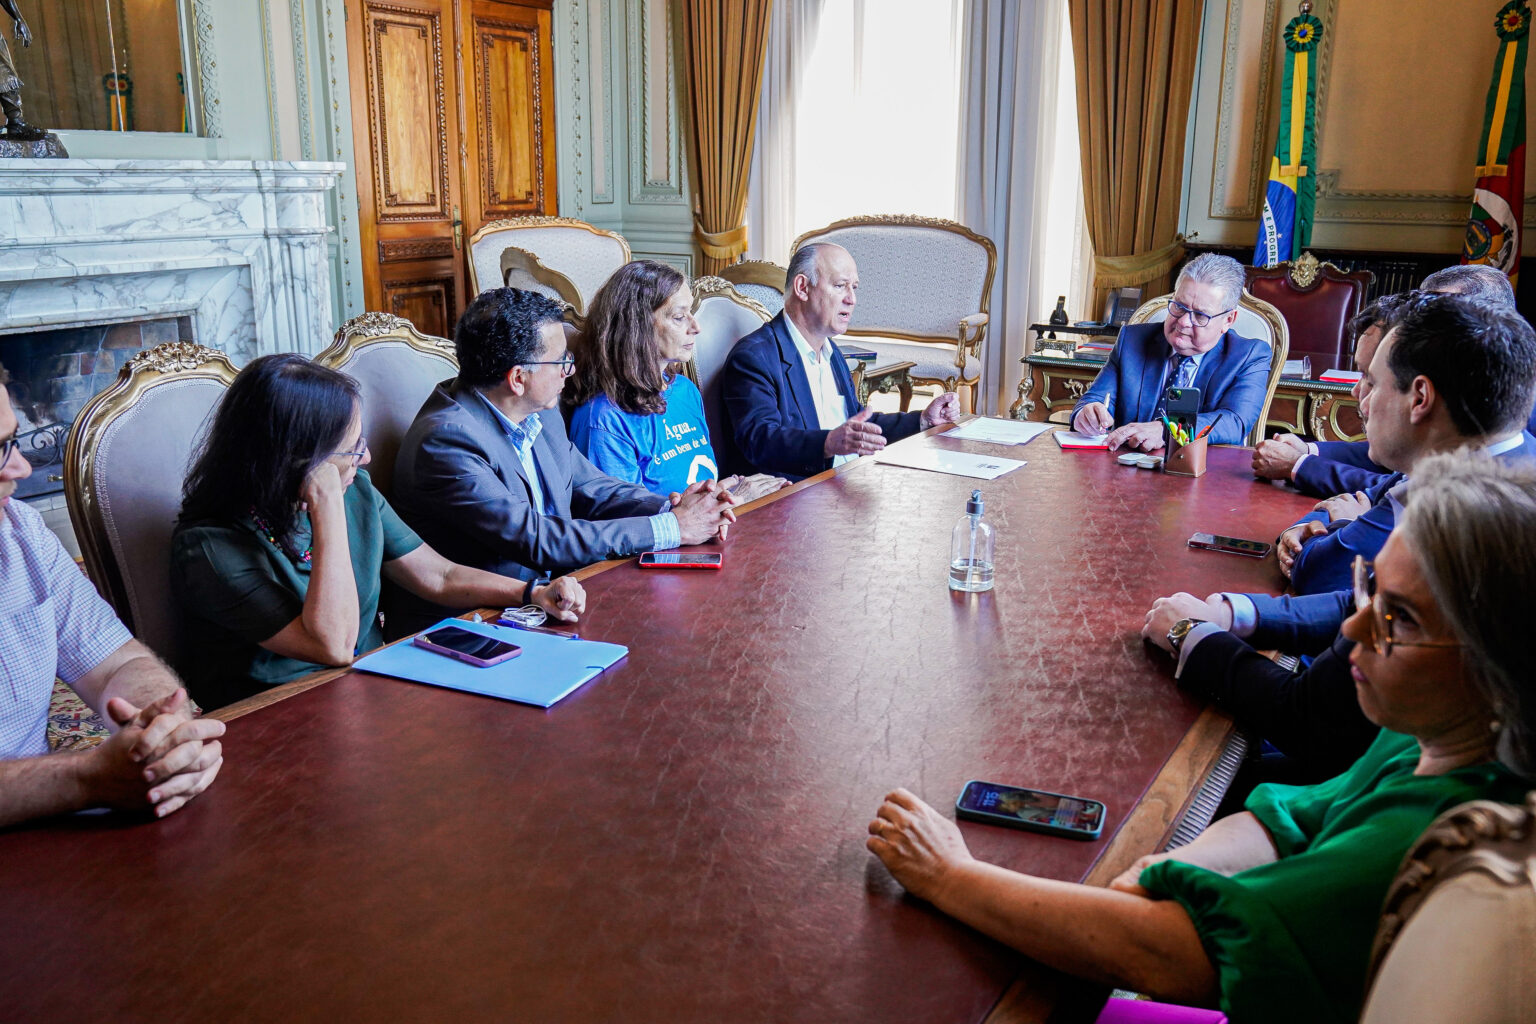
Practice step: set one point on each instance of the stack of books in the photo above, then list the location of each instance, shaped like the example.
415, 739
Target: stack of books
1095, 348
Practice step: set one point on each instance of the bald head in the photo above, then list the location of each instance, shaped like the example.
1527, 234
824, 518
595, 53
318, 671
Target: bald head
820, 291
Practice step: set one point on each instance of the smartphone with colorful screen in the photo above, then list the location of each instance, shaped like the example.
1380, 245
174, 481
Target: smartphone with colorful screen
1033, 809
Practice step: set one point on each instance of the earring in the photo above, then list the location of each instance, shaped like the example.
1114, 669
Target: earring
1495, 725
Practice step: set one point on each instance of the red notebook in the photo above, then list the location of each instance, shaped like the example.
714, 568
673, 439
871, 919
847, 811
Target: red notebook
1341, 376
1072, 439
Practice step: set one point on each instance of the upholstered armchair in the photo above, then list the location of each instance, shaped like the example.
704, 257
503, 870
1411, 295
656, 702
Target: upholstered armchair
759, 280
396, 367
1317, 301
1255, 319
925, 285
522, 269
1459, 924
124, 463
585, 254
725, 316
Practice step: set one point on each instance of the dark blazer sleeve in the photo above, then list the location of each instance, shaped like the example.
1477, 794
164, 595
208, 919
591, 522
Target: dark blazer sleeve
1323, 478
755, 392
1300, 625
893, 425
452, 492
1324, 563
1232, 412
1350, 453
1312, 715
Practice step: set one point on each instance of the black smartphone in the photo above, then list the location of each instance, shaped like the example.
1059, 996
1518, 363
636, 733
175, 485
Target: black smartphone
682, 560
467, 646
1231, 545
1183, 409
1032, 809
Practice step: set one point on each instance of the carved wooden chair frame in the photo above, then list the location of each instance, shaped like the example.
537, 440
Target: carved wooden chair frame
1484, 836
1280, 343
165, 363
374, 328
970, 330
513, 258
758, 272
510, 224
708, 287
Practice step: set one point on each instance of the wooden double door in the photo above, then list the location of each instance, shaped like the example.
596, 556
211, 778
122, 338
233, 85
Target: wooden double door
453, 126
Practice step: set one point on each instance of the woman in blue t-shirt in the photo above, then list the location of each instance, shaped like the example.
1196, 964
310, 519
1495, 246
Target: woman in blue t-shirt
636, 417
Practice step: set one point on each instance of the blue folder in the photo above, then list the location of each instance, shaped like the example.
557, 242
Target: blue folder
549, 668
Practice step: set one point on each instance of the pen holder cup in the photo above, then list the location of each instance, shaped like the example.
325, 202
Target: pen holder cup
1185, 460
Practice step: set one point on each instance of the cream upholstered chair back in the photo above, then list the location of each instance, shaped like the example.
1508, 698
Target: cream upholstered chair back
759, 280
124, 464
1255, 319
522, 269
1457, 939
925, 286
396, 367
725, 316
585, 254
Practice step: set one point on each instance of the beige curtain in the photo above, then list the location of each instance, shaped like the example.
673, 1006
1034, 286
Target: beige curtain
1135, 69
726, 43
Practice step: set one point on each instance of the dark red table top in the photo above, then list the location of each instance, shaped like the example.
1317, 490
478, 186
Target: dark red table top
683, 838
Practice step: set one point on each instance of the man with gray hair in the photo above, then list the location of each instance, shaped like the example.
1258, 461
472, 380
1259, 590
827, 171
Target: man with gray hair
1194, 347
1480, 283
790, 405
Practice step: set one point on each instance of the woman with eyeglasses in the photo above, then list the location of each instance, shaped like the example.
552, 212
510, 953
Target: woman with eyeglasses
282, 543
1271, 912
635, 416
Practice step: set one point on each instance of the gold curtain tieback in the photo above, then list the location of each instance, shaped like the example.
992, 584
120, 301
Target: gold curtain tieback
720, 245
1122, 271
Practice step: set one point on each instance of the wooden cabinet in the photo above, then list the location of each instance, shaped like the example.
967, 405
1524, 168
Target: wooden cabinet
453, 126
1317, 410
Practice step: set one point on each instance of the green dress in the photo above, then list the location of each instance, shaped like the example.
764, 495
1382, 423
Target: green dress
1291, 940
236, 588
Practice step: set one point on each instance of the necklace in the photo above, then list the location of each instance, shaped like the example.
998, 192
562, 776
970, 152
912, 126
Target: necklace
266, 531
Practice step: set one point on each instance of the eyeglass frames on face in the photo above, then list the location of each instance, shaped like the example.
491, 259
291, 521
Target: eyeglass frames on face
1366, 599
567, 364
8, 447
357, 456
1178, 311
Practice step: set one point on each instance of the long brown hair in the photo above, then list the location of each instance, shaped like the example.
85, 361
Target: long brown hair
617, 354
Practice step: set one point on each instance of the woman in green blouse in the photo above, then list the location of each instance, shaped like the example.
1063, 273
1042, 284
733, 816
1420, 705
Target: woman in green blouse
1271, 912
282, 541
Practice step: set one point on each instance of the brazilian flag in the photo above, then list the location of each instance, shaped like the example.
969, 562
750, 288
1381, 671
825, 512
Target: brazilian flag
1285, 228
1498, 201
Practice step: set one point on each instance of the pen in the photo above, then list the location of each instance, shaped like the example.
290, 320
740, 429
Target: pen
1202, 433
539, 629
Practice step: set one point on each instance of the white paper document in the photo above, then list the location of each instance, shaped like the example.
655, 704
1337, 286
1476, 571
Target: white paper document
995, 430
1072, 439
940, 460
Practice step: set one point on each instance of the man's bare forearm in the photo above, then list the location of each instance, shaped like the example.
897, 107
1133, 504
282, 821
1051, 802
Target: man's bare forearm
33, 787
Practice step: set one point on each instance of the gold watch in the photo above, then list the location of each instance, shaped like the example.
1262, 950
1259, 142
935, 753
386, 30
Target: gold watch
1181, 630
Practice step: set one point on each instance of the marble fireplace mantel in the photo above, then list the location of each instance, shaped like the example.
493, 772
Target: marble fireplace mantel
238, 246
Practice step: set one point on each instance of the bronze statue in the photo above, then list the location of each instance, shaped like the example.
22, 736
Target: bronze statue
10, 83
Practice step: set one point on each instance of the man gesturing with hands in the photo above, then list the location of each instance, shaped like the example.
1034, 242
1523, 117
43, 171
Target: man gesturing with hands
54, 624
790, 404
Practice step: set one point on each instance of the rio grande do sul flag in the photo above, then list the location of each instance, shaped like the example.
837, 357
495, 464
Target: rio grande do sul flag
1493, 230
1285, 225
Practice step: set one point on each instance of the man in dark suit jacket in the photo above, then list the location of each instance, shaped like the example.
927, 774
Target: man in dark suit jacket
790, 405
1194, 347
487, 476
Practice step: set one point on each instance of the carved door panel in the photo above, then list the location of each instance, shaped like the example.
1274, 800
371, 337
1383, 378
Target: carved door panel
510, 139
405, 126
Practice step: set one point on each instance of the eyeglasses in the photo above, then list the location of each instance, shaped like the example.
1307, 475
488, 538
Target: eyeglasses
357, 456
567, 364
1366, 599
7, 449
1178, 311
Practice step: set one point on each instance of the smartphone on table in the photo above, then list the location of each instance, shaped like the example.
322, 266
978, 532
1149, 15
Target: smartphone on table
1231, 545
1183, 409
682, 559
1032, 809
467, 646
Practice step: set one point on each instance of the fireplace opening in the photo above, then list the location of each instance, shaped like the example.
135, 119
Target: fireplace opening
55, 372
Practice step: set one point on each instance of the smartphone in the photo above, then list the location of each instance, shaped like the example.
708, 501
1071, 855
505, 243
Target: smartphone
682, 560
1032, 809
1231, 545
1183, 408
466, 646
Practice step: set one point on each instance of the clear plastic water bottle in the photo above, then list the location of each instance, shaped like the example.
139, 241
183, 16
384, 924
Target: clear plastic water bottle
970, 550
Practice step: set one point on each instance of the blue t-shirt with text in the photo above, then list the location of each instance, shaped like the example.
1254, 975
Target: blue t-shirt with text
661, 452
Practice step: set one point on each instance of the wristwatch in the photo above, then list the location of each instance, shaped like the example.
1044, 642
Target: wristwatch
1181, 630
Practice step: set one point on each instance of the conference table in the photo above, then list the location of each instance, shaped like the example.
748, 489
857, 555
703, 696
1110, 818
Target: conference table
681, 839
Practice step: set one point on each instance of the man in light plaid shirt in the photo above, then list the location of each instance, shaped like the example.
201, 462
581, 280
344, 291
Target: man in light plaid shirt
53, 623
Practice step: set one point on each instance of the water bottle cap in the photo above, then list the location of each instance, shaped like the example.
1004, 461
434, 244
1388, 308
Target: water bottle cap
974, 506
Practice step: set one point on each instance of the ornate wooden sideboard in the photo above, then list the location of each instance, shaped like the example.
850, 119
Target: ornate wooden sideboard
1316, 409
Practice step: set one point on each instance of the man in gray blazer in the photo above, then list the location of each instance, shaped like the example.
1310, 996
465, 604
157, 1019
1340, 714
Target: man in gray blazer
487, 476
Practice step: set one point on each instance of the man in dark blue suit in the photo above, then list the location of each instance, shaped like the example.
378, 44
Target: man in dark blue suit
790, 405
1194, 347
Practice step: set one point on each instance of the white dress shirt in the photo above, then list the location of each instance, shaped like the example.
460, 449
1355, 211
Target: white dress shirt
831, 409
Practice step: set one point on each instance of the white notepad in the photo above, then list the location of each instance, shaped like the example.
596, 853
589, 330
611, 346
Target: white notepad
996, 430
940, 460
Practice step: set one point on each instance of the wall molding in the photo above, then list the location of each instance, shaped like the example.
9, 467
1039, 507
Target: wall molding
646, 187
273, 113
1227, 115
577, 96
1392, 207
207, 69
347, 240
603, 44
299, 22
